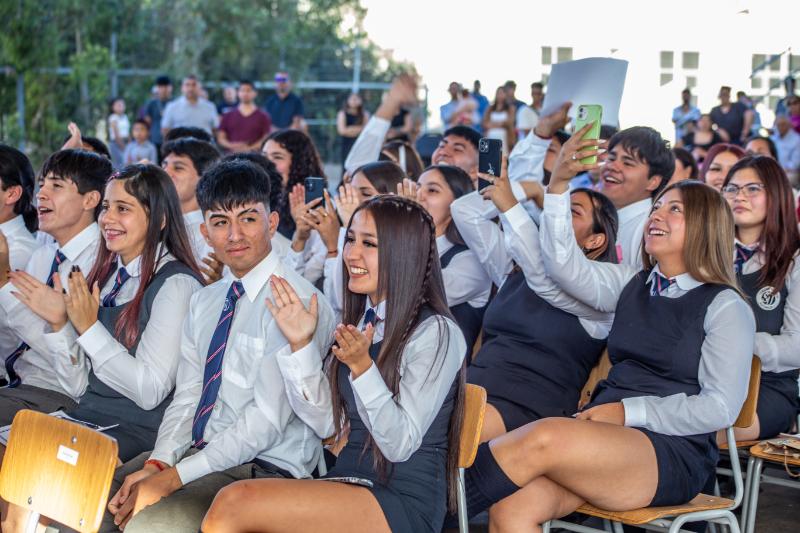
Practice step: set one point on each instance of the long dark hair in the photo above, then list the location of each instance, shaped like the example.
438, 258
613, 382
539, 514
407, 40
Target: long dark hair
383, 175
413, 162
16, 170
410, 277
605, 221
460, 184
305, 158
359, 110
780, 238
155, 192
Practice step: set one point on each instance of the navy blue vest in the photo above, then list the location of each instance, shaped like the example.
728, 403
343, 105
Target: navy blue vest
102, 404
469, 319
655, 342
533, 354
768, 310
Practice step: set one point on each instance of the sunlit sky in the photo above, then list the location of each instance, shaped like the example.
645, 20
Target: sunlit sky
499, 40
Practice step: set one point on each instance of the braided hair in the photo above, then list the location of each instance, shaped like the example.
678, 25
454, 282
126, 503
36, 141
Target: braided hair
410, 279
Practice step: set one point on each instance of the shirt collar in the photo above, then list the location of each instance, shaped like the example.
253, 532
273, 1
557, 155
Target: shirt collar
133, 268
443, 244
12, 226
81, 242
258, 276
685, 281
629, 212
194, 217
380, 309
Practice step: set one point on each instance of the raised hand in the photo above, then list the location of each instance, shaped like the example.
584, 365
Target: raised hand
548, 125
82, 303
352, 348
325, 221
408, 189
295, 321
212, 268
43, 300
347, 203
75, 140
568, 165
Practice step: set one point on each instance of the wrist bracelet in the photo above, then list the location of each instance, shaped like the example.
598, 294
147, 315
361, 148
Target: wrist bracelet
155, 463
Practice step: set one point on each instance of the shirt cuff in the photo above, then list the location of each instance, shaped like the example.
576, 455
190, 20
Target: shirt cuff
635, 412
7, 300
194, 467
556, 203
61, 341
165, 456
516, 217
94, 340
369, 387
303, 363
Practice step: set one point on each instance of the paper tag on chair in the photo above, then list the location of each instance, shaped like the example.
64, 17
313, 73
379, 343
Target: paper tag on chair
68, 455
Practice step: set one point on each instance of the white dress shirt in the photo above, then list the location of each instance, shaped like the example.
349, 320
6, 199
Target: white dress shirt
252, 416
200, 247
21, 245
632, 219
726, 352
788, 148
310, 262
465, 280
369, 142
35, 366
397, 425
145, 379
780, 353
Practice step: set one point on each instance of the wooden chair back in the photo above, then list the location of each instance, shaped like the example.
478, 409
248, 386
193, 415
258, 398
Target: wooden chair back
598, 373
747, 416
474, 411
58, 469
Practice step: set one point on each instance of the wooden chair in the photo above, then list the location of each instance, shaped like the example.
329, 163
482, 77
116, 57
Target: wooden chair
474, 411
754, 468
703, 507
58, 469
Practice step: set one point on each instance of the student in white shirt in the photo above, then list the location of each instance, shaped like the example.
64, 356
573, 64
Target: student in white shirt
230, 417
767, 246
395, 378
681, 348
17, 223
639, 165
185, 159
71, 186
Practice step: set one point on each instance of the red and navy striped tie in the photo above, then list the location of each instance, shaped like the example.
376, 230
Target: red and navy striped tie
660, 284
13, 378
110, 299
212, 376
743, 255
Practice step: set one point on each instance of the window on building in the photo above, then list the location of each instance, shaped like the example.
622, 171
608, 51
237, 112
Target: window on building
691, 82
773, 101
775, 63
666, 59
758, 60
666, 78
794, 62
547, 55
564, 54
755, 82
775, 83
545, 79
691, 60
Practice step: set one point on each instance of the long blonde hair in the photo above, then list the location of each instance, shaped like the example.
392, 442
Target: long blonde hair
710, 231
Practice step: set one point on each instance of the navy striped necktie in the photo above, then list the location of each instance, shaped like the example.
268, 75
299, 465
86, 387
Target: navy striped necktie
371, 317
212, 375
743, 255
660, 284
13, 377
110, 299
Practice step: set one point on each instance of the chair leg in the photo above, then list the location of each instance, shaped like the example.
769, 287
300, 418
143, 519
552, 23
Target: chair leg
752, 507
617, 527
732, 523
546, 527
33, 521
463, 520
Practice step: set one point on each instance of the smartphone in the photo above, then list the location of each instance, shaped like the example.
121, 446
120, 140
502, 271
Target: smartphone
315, 188
490, 159
589, 113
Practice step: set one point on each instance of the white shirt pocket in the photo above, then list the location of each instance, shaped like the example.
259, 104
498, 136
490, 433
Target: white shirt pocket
241, 360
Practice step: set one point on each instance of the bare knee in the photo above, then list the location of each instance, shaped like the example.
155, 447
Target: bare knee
220, 517
534, 439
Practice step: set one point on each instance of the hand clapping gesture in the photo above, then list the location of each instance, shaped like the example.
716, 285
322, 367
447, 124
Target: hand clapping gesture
324, 220
347, 203
295, 321
352, 347
43, 300
82, 304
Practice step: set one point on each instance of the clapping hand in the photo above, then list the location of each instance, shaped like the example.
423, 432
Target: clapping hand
347, 203
407, 189
82, 304
352, 348
324, 220
45, 301
295, 321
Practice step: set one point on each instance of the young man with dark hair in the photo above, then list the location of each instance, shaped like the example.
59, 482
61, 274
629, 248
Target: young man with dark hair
245, 127
71, 186
185, 160
154, 109
639, 165
230, 418
459, 147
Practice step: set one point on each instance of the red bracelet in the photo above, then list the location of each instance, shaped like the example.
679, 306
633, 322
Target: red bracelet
155, 463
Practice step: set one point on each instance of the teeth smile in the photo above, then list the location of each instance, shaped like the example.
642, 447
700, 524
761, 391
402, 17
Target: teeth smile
358, 270
657, 232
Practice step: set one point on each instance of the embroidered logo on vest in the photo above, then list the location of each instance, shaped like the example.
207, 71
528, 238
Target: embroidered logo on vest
767, 299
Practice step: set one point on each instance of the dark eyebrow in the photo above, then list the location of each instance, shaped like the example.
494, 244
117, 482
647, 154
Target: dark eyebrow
629, 158
217, 215
246, 211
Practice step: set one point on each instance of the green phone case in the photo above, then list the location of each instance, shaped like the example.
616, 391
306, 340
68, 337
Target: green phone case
589, 113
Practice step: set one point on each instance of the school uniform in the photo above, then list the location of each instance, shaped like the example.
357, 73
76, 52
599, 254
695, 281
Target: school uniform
31, 367
21, 245
680, 349
539, 343
410, 429
777, 341
310, 262
230, 417
117, 384
632, 219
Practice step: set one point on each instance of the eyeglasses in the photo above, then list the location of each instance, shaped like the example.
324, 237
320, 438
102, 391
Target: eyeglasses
749, 190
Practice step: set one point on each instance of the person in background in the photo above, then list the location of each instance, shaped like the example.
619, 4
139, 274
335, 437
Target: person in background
245, 127
119, 131
794, 112
510, 87
447, 112
350, 122
154, 110
718, 162
483, 102
528, 115
782, 107
140, 148
402, 126
699, 141
746, 101
284, 107
684, 115
229, 99
685, 166
733, 119
191, 109
787, 143
758, 145
498, 120
182, 132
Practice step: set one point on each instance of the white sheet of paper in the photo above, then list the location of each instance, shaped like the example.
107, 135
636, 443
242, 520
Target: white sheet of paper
594, 80
5, 431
